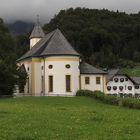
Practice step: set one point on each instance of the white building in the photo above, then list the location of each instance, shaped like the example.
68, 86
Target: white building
119, 83
54, 68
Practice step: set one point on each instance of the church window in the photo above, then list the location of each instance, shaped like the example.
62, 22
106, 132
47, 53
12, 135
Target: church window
50, 83
67, 66
50, 66
28, 85
87, 80
28, 68
42, 84
98, 80
42, 67
68, 83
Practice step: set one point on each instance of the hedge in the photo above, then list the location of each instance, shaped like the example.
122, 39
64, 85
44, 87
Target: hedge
112, 100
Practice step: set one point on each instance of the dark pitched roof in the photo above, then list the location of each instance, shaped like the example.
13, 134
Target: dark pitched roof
37, 32
136, 79
112, 73
53, 44
86, 68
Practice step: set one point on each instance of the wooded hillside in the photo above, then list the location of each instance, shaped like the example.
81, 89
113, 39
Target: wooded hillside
104, 38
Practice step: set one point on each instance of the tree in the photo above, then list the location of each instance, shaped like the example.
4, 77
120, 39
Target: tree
90, 30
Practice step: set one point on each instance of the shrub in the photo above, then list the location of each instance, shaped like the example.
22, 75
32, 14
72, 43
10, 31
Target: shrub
131, 103
113, 100
99, 96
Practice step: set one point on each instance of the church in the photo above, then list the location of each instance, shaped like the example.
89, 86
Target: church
55, 68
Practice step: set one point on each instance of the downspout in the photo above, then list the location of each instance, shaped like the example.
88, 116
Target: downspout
103, 84
44, 77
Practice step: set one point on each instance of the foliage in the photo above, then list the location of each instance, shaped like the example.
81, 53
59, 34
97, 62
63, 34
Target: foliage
103, 37
60, 118
8, 55
132, 71
125, 102
99, 96
131, 103
7, 61
21, 80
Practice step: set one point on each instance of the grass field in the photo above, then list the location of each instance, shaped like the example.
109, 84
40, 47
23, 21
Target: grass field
133, 72
59, 118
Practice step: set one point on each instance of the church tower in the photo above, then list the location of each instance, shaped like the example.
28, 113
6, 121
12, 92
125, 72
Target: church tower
37, 34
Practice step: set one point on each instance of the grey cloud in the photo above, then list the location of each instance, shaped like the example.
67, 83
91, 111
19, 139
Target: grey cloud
28, 9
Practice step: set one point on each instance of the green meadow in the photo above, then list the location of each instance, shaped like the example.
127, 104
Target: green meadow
133, 72
63, 118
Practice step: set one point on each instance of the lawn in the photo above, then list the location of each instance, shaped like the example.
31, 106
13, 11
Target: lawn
61, 118
133, 72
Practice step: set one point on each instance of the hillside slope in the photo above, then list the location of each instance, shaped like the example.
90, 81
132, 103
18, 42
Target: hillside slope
101, 36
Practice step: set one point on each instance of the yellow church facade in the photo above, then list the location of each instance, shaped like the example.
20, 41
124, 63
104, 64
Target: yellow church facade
54, 68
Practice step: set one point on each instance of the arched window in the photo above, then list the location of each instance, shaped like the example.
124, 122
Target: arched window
116, 80
115, 88
129, 87
108, 88
121, 79
121, 87
137, 87
126, 79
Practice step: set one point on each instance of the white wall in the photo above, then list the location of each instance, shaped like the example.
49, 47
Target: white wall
93, 86
33, 41
137, 91
125, 85
28, 68
59, 71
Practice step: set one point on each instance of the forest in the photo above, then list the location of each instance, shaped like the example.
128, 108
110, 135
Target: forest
105, 39
10, 49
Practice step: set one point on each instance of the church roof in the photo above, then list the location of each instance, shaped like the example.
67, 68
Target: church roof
86, 68
53, 44
37, 32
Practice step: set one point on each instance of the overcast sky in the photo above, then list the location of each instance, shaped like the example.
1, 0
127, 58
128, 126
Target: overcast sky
11, 10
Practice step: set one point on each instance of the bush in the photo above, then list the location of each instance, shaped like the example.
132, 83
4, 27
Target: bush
131, 103
99, 96
112, 100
